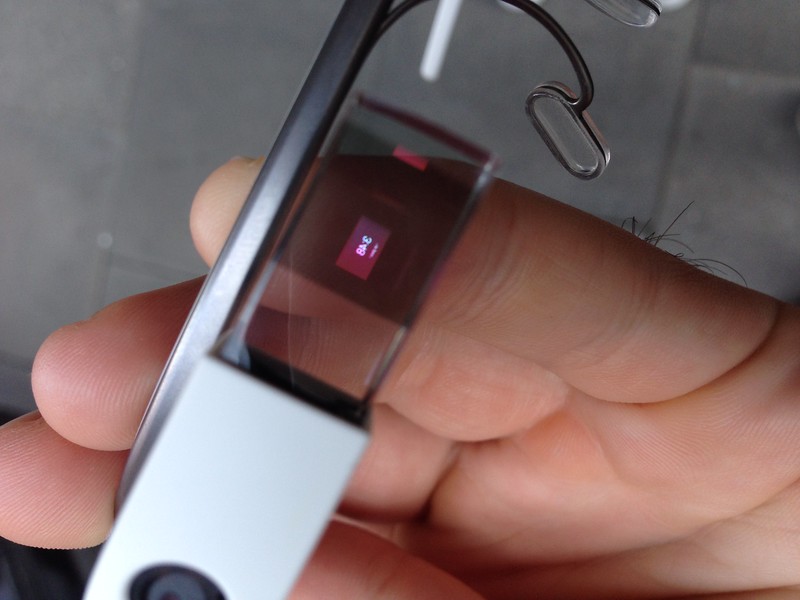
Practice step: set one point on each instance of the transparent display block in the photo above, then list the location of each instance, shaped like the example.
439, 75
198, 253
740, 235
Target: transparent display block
336, 296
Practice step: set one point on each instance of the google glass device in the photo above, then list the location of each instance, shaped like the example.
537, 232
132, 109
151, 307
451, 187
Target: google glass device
352, 215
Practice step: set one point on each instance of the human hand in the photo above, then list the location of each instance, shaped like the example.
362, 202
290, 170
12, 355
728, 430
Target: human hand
576, 415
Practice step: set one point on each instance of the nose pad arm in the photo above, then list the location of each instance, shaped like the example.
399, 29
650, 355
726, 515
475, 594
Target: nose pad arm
639, 13
571, 136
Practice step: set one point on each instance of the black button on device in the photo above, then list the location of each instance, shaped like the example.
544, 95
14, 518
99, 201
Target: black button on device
173, 583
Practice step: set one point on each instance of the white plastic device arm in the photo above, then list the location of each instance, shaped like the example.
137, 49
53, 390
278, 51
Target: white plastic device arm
285, 462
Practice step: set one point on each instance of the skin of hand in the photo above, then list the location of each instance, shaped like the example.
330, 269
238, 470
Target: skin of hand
577, 414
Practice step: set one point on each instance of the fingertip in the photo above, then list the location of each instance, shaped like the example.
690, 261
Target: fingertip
54, 494
218, 202
92, 379
73, 379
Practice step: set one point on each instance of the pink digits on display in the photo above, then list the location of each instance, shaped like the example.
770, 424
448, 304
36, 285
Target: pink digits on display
363, 248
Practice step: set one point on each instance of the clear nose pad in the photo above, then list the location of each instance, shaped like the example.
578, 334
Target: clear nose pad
639, 13
571, 136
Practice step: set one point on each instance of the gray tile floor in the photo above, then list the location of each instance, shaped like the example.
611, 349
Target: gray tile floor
113, 111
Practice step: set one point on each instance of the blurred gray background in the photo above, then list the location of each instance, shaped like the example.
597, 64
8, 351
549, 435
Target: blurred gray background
112, 112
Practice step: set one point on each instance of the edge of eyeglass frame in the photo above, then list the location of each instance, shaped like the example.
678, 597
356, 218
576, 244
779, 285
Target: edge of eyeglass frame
356, 29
